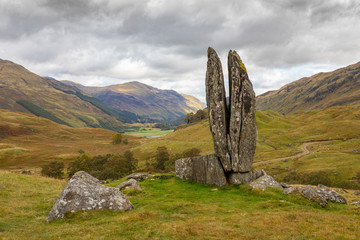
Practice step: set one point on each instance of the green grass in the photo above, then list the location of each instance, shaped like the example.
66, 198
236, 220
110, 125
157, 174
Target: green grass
173, 209
149, 132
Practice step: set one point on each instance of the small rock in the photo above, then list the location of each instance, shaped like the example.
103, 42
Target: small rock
139, 176
1, 186
285, 185
265, 182
84, 192
357, 192
131, 183
356, 150
311, 194
289, 190
165, 176
357, 202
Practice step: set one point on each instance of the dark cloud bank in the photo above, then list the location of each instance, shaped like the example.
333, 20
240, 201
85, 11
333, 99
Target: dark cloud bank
163, 43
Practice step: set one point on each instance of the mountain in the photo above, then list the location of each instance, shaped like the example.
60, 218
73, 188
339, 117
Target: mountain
24, 91
320, 91
144, 100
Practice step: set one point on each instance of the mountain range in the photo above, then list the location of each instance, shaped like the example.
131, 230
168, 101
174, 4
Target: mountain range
320, 91
144, 100
102, 107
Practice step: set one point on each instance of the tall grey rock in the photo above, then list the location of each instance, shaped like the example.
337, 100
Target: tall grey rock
216, 103
233, 130
242, 124
84, 192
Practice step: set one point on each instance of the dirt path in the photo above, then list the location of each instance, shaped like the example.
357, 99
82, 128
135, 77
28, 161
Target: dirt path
304, 148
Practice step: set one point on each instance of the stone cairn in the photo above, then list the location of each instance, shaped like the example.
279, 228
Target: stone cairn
233, 128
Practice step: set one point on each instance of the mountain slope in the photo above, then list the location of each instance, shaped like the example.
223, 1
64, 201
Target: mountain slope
320, 91
24, 91
144, 100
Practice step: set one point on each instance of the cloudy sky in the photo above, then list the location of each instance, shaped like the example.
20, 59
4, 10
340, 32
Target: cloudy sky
163, 43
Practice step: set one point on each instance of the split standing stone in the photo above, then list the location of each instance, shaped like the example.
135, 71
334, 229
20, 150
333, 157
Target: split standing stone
216, 103
242, 129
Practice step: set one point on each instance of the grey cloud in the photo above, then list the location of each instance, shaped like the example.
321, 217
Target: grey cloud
87, 39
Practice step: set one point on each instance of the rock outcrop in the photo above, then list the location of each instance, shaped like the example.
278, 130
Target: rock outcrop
204, 169
84, 192
129, 184
320, 194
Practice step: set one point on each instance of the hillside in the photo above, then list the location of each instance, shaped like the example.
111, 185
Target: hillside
320, 91
333, 133
24, 91
27, 141
144, 100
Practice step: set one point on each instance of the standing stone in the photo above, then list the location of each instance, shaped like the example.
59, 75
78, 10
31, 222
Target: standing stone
216, 103
242, 129
84, 192
204, 169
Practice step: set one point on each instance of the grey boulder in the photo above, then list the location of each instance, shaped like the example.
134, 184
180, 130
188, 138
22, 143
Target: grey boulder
204, 169
84, 192
311, 194
264, 182
329, 194
129, 184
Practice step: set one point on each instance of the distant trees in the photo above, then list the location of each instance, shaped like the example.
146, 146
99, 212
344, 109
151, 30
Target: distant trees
53, 169
198, 116
117, 138
110, 166
162, 155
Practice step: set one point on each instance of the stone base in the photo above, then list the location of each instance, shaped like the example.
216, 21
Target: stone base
247, 177
204, 169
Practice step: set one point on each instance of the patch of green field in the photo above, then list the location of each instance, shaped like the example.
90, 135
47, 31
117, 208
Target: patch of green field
173, 209
149, 132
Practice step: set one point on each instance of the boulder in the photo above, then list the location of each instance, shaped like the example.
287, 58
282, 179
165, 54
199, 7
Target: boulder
131, 183
285, 185
216, 103
84, 192
204, 169
357, 192
242, 122
264, 182
329, 194
311, 194
139, 176
243, 178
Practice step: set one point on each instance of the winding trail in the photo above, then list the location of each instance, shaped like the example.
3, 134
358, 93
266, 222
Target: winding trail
304, 148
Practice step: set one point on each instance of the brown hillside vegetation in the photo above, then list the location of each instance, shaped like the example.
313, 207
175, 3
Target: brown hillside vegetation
320, 91
29, 141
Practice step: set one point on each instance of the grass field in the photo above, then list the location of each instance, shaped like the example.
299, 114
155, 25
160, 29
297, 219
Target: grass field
173, 209
149, 132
